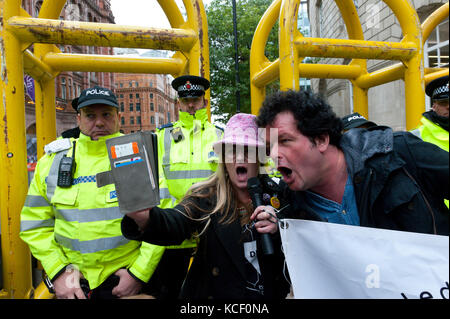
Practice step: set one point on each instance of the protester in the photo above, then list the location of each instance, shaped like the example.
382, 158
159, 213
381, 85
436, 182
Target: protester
228, 262
72, 226
375, 178
185, 157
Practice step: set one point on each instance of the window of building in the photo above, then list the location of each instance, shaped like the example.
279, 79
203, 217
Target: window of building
121, 85
131, 107
122, 120
168, 117
131, 119
138, 107
151, 95
152, 107
131, 96
436, 47
436, 50
136, 84
130, 84
138, 120
122, 108
121, 96
152, 120
63, 89
137, 94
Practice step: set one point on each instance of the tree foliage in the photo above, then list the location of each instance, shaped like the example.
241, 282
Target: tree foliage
221, 50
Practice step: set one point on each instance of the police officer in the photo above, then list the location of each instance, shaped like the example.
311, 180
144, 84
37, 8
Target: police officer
71, 225
185, 157
434, 123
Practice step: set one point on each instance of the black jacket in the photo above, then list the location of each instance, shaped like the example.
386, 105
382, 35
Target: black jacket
400, 181
217, 271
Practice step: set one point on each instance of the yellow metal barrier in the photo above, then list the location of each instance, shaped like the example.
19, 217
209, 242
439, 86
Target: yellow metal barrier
189, 38
293, 47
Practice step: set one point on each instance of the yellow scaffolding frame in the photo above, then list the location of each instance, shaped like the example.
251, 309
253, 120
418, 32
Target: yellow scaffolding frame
189, 38
293, 48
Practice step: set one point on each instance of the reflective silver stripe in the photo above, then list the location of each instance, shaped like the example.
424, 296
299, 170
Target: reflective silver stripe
417, 133
36, 201
52, 177
89, 215
91, 246
219, 133
201, 173
33, 224
167, 146
164, 193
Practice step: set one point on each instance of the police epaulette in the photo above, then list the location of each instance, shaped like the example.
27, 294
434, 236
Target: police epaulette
58, 146
165, 126
219, 128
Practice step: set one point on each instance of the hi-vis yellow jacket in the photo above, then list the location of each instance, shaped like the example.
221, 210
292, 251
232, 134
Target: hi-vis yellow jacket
80, 225
432, 133
185, 157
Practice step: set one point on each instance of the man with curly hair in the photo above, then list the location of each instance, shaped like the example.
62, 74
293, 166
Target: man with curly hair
374, 178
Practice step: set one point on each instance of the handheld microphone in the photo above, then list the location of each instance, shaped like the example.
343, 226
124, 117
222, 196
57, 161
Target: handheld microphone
255, 190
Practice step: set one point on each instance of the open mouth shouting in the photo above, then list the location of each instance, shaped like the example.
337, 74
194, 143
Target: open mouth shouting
286, 172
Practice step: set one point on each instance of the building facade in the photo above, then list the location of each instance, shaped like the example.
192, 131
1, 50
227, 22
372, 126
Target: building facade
387, 101
146, 101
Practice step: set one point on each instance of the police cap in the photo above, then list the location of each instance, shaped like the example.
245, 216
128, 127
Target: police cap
355, 120
190, 85
438, 88
97, 95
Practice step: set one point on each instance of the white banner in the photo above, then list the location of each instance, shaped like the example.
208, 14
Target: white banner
328, 260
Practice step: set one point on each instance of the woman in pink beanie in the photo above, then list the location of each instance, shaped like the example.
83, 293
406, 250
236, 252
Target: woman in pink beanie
228, 263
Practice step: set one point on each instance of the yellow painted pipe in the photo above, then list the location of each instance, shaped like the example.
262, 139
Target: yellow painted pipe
306, 70
100, 34
36, 68
288, 49
258, 61
13, 158
41, 292
109, 63
434, 75
341, 48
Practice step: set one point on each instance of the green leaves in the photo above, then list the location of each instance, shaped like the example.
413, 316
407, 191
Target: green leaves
221, 50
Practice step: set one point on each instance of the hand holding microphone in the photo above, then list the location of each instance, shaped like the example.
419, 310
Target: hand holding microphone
255, 191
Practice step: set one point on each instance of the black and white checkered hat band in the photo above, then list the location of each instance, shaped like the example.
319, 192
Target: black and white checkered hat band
195, 87
440, 90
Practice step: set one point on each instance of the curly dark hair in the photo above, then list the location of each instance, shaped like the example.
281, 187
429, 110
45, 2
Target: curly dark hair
313, 115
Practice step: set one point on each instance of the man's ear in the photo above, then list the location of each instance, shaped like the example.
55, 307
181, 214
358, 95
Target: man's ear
322, 142
78, 118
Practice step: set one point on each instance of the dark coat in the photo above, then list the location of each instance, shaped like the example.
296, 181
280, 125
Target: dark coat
400, 181
217, 271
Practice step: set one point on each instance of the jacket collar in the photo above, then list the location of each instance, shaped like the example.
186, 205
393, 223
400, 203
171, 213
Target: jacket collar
187, 120
361, 144
97, 147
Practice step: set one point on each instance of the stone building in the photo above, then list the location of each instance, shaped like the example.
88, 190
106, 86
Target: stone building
146, 101
386, 102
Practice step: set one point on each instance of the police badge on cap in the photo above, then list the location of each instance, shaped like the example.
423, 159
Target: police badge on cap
190, 85
438, 89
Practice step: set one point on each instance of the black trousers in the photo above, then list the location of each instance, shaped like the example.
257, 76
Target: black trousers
104, 291
169, 275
